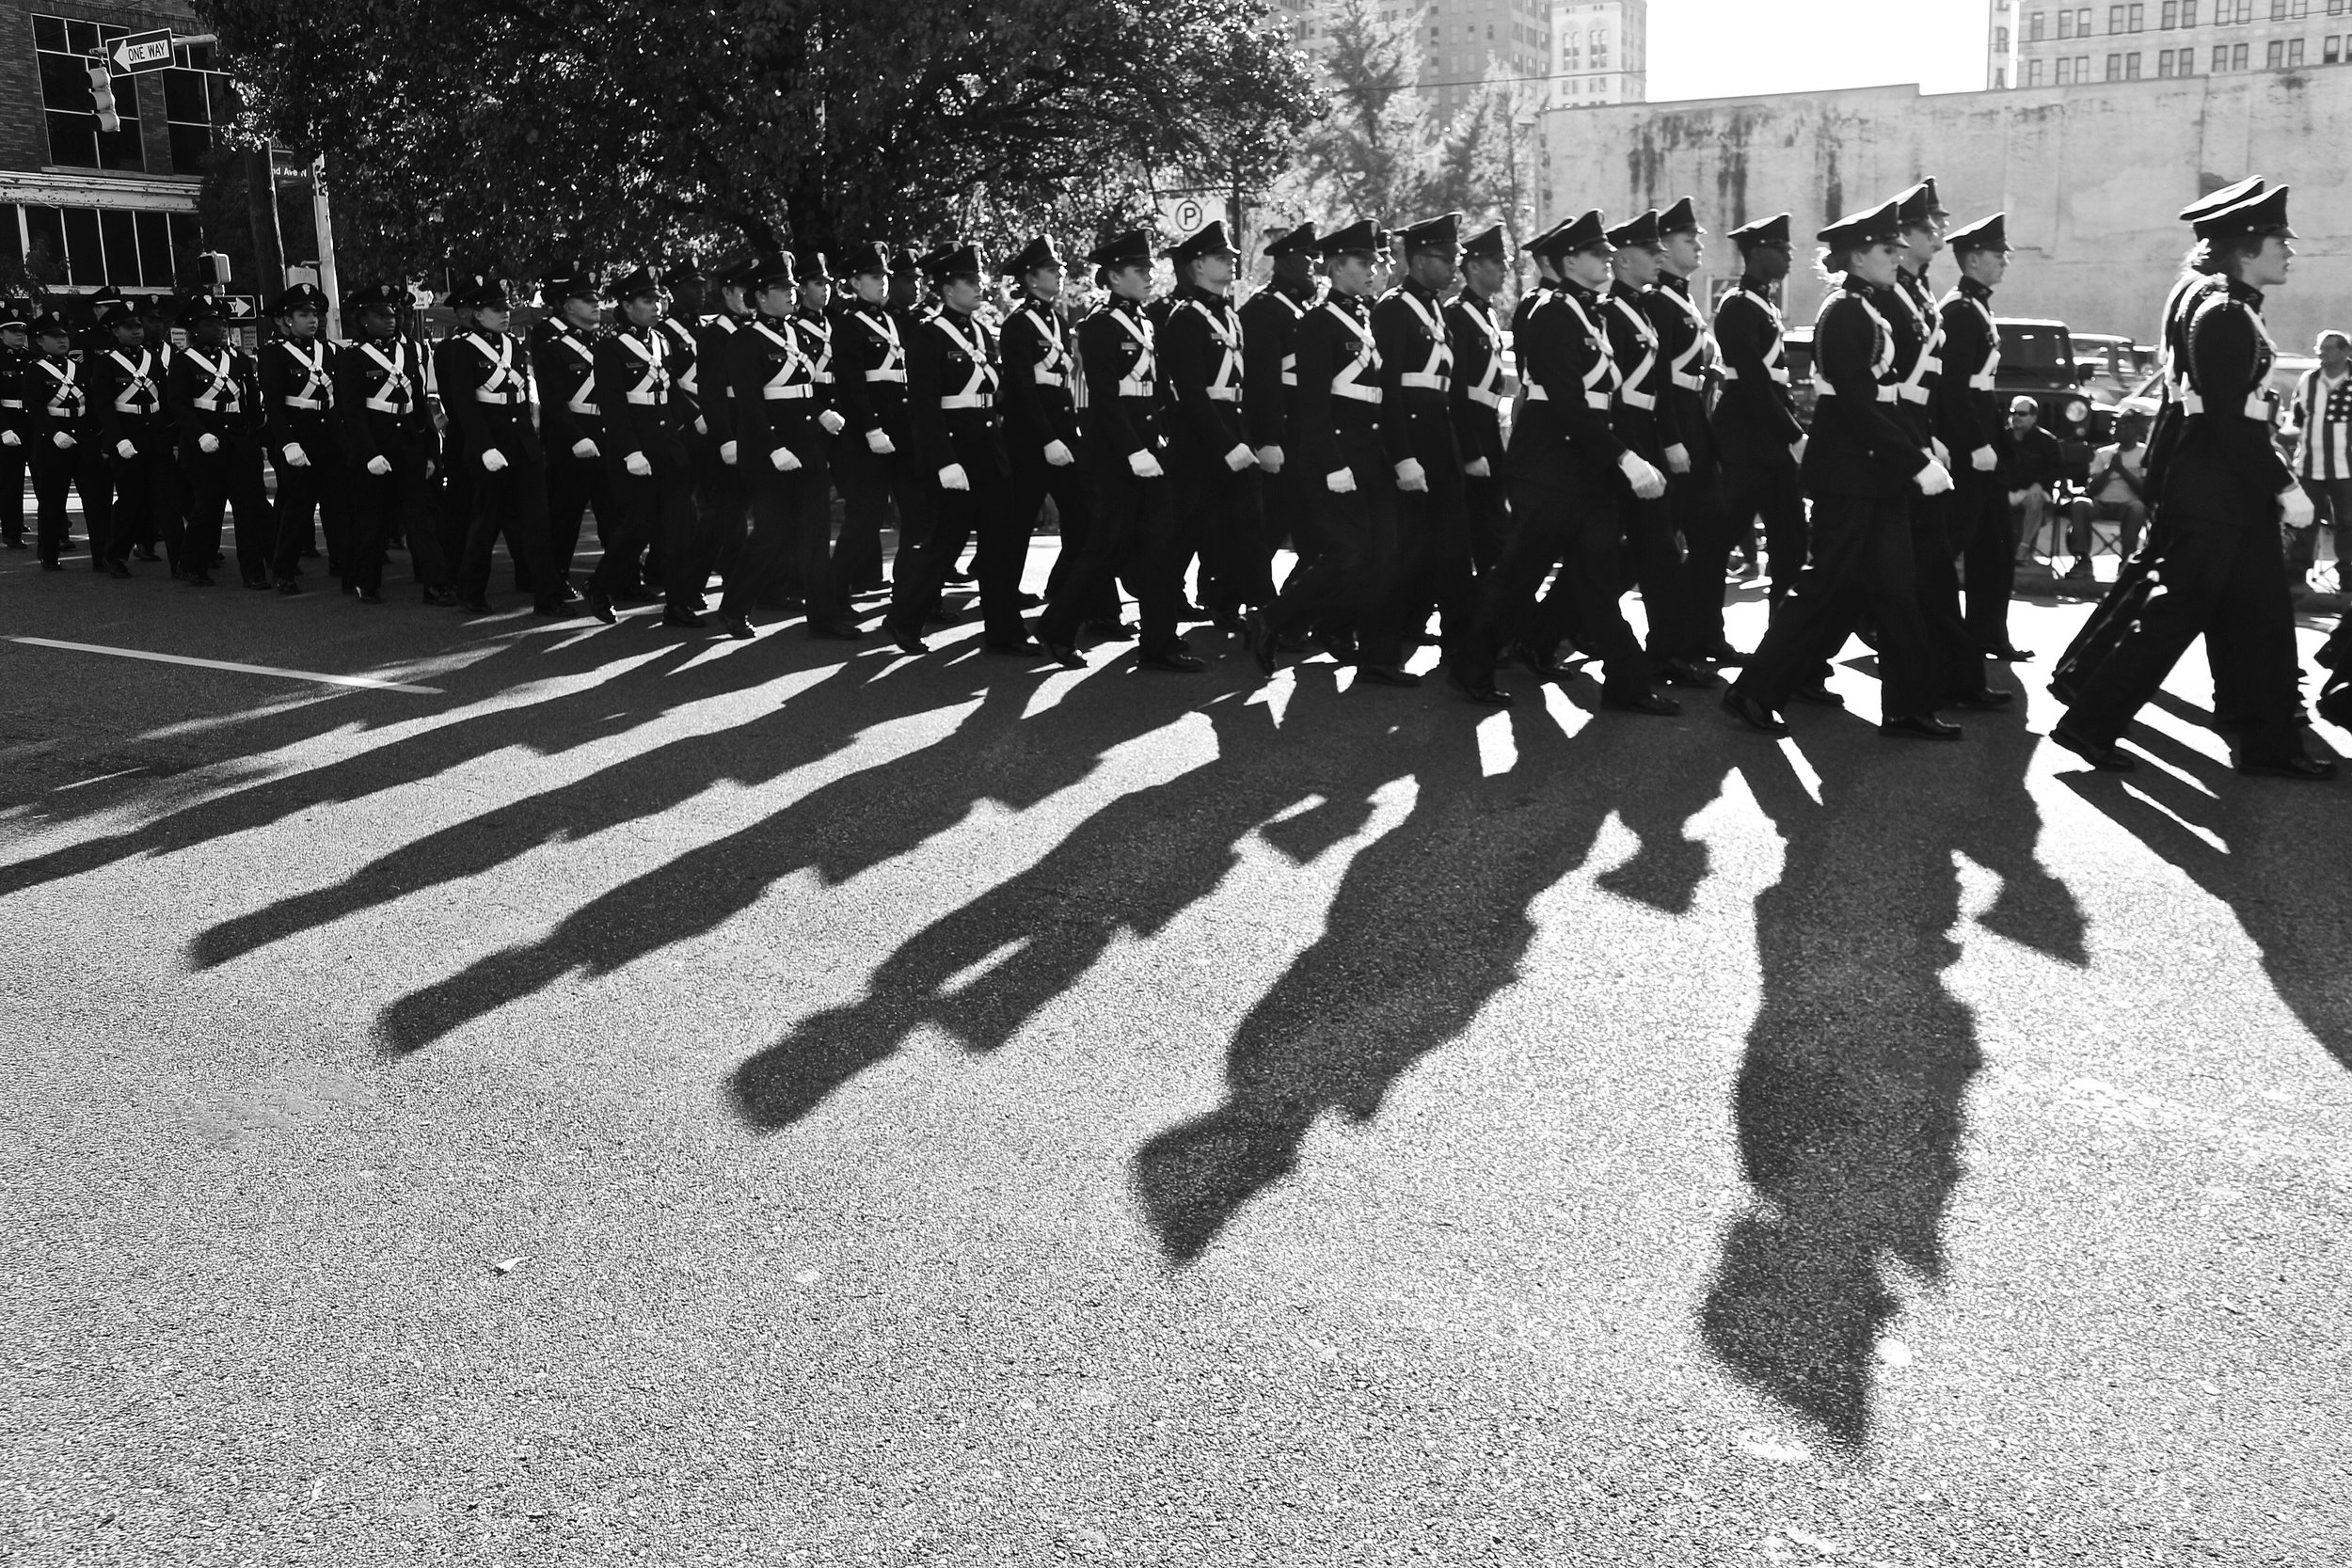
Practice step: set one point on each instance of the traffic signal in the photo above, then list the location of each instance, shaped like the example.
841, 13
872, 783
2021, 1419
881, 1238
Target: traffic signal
102, 91
212, 270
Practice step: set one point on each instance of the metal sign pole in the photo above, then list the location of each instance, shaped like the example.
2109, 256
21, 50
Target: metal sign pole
323, 220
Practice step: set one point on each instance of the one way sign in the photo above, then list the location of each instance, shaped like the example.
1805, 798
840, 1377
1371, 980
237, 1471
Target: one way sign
136, 52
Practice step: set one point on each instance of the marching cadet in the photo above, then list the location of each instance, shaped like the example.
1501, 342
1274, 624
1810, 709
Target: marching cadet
455, 468
1477, 397
1862, 466
1754, 424
1409, 328
1567, 469
906, 291
1130, 516
813, 320
962, 484
385, 438
127, 392
1338, 436
215, 402
690, 557
297, 379
870, 392
722, 502
777, 442
157, 316
61, 442
572, 420
1041, 438
1694, 495
486, 384
2221, 569
1209, 455
16, 345
1968, 411
1269, 387
1643, 418
648, 471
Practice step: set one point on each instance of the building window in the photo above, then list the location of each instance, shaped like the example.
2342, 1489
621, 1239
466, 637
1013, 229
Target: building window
2082, 21
2164, 62
2065, 71
2295, 52
2033, 26
2170, 15
2115, 19
2275, 57
2115, 68
74, 139
196, 98
2331, 51
2131, 65
2189, 13
89, 247
2237, 57
2001, 78
2033, 73
2000, 40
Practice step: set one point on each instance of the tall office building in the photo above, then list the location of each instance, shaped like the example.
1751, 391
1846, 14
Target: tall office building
2069, 45
1600, 51
1572, 51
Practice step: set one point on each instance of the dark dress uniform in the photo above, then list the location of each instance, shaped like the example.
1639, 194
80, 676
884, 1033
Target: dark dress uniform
1416, 425
1269, 396
870, 390
1130, 516
687, 571
1565, 471
61, 446
486, 388
2220, 567
571, 429
648, 471
387, 449
1202, 358
1861, 468
1041, 438
721, 502
780, 453
127, 389
1968, 412
215, 402
16, 317
297, 379
1755, 424
1643, 416
953, 373
1694, 499
1476, 400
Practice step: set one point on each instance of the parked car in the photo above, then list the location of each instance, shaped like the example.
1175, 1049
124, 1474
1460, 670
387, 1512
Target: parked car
2109, 365
2285, 371
1798, 344
2037, 359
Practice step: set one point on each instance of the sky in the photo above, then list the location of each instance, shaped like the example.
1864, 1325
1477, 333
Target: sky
1723, 48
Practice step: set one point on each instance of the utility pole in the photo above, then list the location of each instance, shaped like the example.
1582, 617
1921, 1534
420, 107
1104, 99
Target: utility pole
325, 222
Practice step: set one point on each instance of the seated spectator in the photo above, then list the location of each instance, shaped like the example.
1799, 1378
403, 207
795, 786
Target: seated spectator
2033, 463
2119, 493
2320, 420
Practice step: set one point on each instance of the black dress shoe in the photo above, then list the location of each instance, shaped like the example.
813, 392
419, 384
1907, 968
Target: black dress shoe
959, 579
117, 569
1066, 655
1919, 727
683, 618
836, 632
1030, 601
1681, 671
1023, 649
1754, 714
97, 564
289, 587
2315, 770
259, 584
147, 552
1817, 695
1260, 633
1987, 699
736, 626
441, 598
1173, 660
552, 609
942, 617
2009, 654
2103, 755
1482, 692
1385, 675
1540, 662
15, 544
1339, 644
200, 579
1642, 702
370, 595
600, 607
1723, 653
910, 643
53, 566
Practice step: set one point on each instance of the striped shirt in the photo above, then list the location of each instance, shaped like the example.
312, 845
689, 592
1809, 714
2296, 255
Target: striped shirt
2323, 416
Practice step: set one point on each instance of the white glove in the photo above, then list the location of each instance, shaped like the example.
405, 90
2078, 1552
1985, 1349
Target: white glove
1057, 452
879, 444
1984, 460
1943, 454
207, 443
64, 442
1340, 482
1647, 482
1144, 465
584, 447
8, 438
726, 453
296, 456
494, 460
832, 421
1678, 459
702, 426
1240, 458
1934, 479
379, 467
1270, 459
1796, 449
1410, 475
952, 477
1478, 468
639, 464
783, 460
125, 449
2294, 506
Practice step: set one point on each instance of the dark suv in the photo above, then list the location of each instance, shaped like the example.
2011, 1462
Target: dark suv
2037, 359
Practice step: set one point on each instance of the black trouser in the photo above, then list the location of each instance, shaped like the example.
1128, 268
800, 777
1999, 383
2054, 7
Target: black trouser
381, 505
643, 510
1433, 565
217, 481
514, 502
723, 510
12, 489
866, 478
82, 468
303, 491
1130, 533
146, 497
1342, 583
1487, 510
1696, 500
1980, 529
1959, 662
1033, 480
1862, 565
2227, 582
575, 487
791, 532
1583, 535
1217, 520
932, 532
1655, 565
1769, 491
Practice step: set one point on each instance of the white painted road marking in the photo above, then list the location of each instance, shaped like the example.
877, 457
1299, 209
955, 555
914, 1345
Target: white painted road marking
370, 682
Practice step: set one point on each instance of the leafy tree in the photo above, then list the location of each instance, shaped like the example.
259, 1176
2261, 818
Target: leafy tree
1366, 157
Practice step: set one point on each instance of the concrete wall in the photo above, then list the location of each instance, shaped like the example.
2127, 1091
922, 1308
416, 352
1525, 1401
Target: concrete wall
2089, 177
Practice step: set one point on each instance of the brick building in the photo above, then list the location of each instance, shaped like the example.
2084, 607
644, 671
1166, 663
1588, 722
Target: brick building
2073, 45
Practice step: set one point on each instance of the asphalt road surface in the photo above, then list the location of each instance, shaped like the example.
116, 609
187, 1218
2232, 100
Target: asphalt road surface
628, 1096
